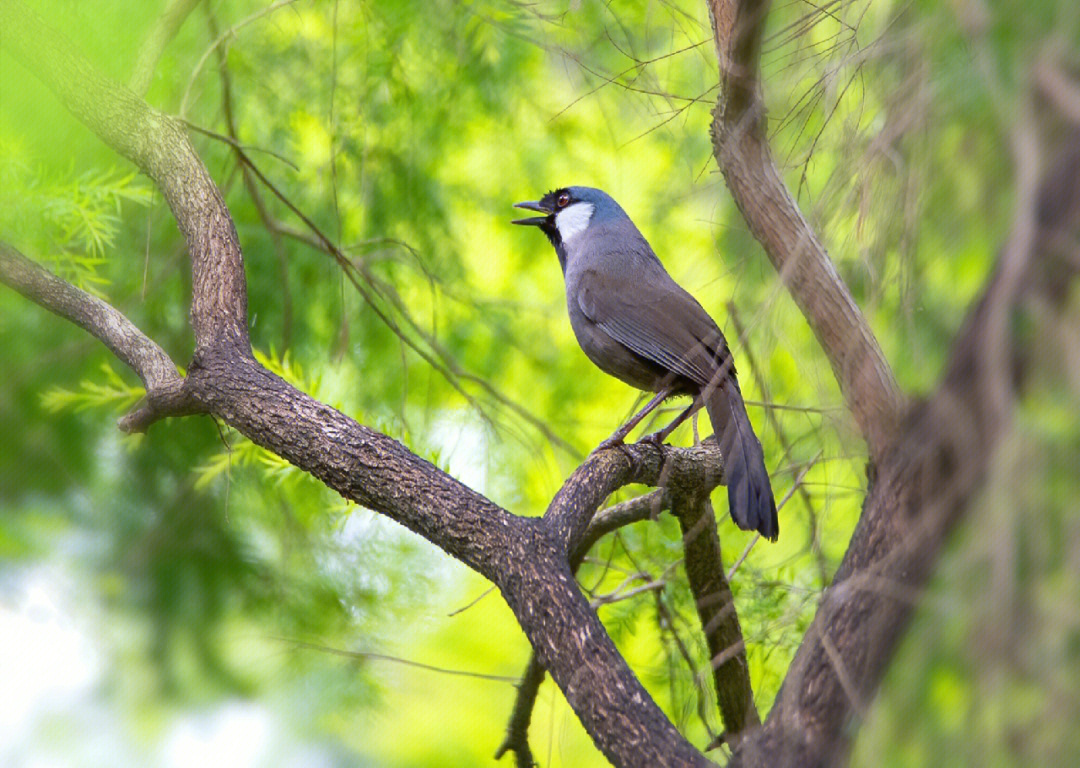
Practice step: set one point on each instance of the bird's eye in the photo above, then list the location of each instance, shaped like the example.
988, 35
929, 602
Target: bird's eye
563, 200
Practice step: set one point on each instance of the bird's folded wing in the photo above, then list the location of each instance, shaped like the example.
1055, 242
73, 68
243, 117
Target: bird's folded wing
655, 319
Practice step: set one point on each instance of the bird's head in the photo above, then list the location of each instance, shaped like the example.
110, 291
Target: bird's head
569, 211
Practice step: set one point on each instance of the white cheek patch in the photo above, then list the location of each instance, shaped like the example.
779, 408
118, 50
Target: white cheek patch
572, 221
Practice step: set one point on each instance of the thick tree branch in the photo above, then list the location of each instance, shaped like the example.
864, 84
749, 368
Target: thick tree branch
716, 609
742, 153
250, 185
608, 520
738, 27
158, 145
644, 507
165, 391
926, 481
698, 469
527, 558
680, 478
520, 555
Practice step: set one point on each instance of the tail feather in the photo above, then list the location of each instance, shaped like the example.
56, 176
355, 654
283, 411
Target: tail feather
750, 496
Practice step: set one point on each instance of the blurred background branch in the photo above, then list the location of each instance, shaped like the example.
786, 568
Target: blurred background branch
146, 581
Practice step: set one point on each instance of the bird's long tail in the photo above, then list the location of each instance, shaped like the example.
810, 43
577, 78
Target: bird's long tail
750, 494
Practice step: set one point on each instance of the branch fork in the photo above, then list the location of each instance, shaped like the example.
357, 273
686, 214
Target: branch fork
921, 483
529, 559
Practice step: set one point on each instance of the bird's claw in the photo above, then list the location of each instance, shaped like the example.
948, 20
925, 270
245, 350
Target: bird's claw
621, 447
654, 438
612, 442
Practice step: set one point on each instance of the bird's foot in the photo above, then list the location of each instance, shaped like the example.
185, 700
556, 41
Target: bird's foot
615, 441
655, 438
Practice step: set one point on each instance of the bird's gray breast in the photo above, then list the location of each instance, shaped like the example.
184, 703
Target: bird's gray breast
593, 255
612, 357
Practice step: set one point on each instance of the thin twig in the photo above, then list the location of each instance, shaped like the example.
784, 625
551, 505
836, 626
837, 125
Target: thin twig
794, 486
397, 660
227, 34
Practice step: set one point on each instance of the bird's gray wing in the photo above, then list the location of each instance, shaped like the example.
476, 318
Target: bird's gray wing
655, 319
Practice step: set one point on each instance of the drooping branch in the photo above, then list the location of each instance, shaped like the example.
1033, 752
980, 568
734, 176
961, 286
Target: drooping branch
741, 149
221, 40
715, 607
165, 391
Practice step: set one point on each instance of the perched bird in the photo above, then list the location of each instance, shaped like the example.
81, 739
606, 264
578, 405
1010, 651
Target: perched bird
637, 324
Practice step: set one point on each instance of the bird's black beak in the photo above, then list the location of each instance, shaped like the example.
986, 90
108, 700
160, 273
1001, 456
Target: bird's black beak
536, 221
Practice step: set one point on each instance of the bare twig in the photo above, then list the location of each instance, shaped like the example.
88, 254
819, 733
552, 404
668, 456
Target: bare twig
472, 602
228, 34
621, 593
797, 485
785, 443
666, 619
398, 660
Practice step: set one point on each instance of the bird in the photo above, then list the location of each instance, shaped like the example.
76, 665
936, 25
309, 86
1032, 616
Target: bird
634, 322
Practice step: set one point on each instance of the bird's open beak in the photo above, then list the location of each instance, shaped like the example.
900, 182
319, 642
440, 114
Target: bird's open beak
536, 221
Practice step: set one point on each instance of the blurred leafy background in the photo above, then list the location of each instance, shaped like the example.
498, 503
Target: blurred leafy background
183, 597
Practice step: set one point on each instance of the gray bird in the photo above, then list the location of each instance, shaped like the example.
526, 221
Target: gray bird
637, 324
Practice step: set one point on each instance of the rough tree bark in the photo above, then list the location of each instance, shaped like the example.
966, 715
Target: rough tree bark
741, 149
929, 458
527, 558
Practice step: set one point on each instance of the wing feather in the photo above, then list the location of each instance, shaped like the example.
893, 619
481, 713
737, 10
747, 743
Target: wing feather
660, 322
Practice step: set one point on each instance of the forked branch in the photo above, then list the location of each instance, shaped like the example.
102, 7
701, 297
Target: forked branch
741, 149
931, 461
527, 558
165, 391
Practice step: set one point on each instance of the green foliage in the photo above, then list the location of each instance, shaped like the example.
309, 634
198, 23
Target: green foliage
241, 452
209, 571
114, 394
71, 220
